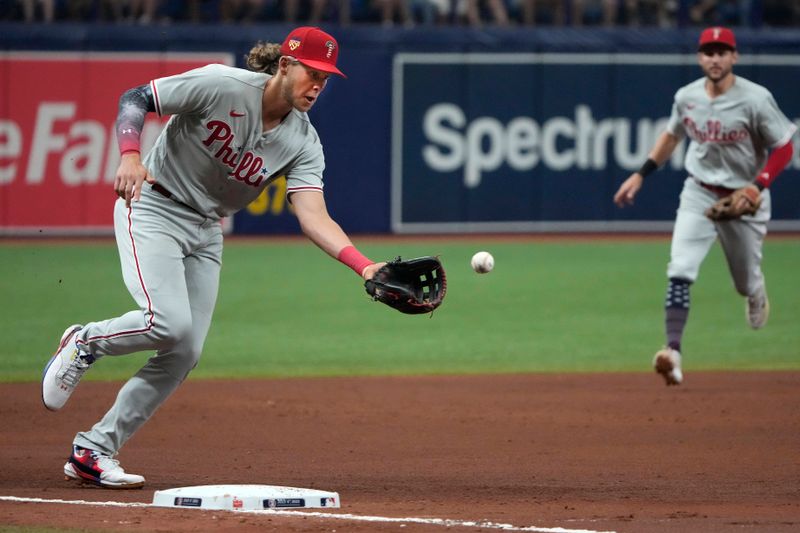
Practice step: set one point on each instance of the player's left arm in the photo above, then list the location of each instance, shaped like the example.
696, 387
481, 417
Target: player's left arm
776, 162
777, 131
322, 230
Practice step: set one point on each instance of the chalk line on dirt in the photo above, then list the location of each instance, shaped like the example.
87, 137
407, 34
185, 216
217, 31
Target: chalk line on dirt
445, 522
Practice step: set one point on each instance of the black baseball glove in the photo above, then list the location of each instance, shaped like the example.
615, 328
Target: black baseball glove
413, 287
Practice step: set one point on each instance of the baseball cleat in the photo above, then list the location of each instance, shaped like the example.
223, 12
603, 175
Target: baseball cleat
64, 370
667, 362
89, 466
758, 308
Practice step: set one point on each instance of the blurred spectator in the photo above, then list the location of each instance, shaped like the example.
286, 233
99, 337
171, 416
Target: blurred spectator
141, 11
659, 13
594, 12
473, 12
291, 9
29, 8
200, 10
243, 11
649, 13
331, 10
532, 12
79, 9
430, 12
395, 11
702, 12
733, 12
719, 12
312, 11
781, 12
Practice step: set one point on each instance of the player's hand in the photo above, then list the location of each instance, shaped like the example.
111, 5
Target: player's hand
627, 191
370, 270
129, 178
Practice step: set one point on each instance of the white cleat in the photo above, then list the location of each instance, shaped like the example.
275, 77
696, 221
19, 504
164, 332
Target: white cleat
667, 362
758, 308
64, 370
89, 466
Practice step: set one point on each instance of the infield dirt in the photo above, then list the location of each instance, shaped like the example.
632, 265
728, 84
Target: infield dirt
600, 452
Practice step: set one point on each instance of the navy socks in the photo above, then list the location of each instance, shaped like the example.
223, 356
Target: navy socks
676, 311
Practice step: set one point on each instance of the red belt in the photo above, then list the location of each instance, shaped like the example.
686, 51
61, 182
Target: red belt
716, 189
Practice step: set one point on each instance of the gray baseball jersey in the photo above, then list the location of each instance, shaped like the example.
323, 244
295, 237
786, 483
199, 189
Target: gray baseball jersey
213, 155
730, 135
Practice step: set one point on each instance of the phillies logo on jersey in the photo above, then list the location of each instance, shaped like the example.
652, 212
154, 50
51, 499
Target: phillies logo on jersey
249, 167
713, 132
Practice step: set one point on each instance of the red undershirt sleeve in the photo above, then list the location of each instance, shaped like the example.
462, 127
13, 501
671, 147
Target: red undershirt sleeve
777, 161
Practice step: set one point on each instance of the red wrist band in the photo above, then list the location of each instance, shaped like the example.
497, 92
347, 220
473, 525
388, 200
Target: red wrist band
129, 151
128, 143
354, 259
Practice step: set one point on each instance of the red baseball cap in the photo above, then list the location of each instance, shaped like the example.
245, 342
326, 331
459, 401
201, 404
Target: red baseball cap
314, 48
717, 35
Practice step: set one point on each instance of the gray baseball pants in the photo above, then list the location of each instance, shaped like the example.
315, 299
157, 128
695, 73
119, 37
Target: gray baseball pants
171, 259
741, 240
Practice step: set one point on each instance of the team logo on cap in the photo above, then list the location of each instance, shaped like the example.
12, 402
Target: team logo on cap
717, 32
294, 44
331, 46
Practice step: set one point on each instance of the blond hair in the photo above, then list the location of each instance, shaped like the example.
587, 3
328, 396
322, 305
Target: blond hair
263, 57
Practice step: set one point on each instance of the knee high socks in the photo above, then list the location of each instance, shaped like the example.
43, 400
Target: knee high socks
676, 311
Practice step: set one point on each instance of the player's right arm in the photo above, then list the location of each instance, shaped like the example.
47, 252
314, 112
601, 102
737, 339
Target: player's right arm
134, 104
322, 230
662, 150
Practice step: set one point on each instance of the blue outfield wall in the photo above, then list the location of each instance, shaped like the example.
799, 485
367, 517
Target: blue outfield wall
466, 130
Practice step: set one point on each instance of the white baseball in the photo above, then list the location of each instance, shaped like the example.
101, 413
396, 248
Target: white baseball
482, 262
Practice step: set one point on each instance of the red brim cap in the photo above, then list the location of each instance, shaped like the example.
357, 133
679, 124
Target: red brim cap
717, 35
324, 66
313, 48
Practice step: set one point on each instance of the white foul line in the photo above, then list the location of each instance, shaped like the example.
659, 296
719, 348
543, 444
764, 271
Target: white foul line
446, 522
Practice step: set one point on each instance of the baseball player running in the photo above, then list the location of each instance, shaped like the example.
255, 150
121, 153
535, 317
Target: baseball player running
739, 142
232, 132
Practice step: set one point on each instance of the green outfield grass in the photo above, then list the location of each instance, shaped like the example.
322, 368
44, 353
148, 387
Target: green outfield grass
286, 309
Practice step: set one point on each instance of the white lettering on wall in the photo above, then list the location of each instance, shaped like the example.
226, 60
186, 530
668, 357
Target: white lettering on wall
78, 151
10, 148
45, 140
81, 162
435, 127
560, 143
